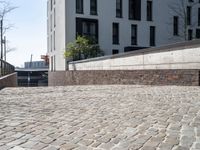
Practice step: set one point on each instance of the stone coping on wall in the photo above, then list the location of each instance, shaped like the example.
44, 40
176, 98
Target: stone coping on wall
171, 47
9, 80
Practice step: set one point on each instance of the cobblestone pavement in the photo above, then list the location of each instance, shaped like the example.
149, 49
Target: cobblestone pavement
100, 117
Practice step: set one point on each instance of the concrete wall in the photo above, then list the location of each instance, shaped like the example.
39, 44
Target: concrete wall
138, 77
178, 56
8, 81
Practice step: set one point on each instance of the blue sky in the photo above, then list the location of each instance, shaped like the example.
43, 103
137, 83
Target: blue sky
28, 35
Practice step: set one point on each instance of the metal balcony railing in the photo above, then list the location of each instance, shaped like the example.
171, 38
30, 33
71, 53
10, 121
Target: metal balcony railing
6, 68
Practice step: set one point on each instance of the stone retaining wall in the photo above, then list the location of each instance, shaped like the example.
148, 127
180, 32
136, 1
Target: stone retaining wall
8, 80
139, 77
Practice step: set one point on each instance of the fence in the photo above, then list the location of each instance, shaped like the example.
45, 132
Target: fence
5, 68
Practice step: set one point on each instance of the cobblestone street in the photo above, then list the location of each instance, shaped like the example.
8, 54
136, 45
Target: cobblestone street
100, 117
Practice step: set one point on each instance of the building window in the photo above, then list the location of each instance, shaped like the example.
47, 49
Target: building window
47, 8
198, 33
87, 27
93, 7
51, 4
133, 34
190, 34
149, 11
54, 40
176, 24
152, 36
115, 51
115, 33
119, 8
54, 63
51, 44
189, 9
199, 16
79, 6
54, 17
135, 9
51, 18
48, 44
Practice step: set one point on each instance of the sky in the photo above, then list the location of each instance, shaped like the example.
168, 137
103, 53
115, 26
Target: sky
28, 35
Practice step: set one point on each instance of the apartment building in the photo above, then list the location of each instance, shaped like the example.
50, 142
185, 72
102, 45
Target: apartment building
119, 25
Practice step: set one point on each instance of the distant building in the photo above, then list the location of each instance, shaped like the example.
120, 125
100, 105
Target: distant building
36, 65
119, 25
33, 74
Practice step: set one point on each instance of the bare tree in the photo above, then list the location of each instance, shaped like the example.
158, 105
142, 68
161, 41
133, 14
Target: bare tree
179, 8
5, 9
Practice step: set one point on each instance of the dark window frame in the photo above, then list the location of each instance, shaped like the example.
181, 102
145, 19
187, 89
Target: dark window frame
152, 36
176, 25
115, 51
79, 27
198, 16
197, 33
115, 33
149, 10
135, 10
190, 34
189, 17
119, 10
93, 7
79, 7
134, 34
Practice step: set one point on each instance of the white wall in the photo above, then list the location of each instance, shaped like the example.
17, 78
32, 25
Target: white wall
60, 35
171, 59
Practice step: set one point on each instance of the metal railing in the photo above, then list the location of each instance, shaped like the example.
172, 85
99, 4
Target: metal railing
6, 68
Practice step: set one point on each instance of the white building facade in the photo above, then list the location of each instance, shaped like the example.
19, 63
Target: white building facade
119, 25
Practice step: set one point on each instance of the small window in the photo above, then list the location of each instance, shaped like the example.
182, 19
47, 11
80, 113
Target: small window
51, 4
199, 16
79, 6
51, 43
54, 40
190, 34
119, 8
152, 36
93, 7
189, 9
115, 51
176, 20
133, 34
149, 11
198, 33
54, 17
135, 9
115, 33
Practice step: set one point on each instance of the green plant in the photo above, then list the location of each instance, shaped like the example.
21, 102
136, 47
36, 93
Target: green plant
83, 48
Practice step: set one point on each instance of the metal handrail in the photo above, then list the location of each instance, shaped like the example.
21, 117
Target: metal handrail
6, 68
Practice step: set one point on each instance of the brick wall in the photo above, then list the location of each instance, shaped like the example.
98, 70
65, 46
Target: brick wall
8, 81
139, 77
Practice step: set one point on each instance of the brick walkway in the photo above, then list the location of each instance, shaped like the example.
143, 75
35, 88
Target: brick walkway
100, 117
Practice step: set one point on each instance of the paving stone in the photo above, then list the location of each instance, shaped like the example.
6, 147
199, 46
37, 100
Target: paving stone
50, 148
39, 146
117, 117
68, 146
17, 148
